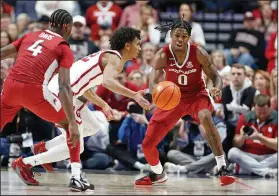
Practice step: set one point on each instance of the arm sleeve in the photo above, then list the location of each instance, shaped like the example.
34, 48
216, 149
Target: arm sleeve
240, 123
17, 43
65, 56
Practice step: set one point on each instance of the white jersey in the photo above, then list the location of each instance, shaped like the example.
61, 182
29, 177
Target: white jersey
84, 74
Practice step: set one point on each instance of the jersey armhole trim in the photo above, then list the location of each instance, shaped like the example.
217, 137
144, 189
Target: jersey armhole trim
101, 56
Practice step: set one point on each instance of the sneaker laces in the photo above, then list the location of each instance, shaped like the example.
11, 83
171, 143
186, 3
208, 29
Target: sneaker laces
33, 171
82, 177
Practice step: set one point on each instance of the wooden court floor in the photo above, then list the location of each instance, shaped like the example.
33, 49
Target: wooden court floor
121, 183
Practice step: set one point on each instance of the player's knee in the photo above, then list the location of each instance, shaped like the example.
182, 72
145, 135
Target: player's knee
205, 115
233, 153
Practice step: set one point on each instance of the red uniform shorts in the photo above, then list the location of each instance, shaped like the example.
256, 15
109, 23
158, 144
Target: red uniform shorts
186, 107
36, 98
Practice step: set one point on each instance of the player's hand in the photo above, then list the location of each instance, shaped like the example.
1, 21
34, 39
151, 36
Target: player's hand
108, 112
216, 92
74, 134
141, 100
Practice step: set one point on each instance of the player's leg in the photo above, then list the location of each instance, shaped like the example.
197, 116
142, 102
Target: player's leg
202, 112
159, 125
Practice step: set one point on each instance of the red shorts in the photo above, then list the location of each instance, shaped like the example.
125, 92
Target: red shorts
185, 107
36, 98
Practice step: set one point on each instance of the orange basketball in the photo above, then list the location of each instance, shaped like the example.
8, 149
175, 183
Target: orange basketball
166, 95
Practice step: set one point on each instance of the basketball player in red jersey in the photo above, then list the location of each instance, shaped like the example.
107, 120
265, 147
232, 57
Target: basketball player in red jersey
183, 63
40, 55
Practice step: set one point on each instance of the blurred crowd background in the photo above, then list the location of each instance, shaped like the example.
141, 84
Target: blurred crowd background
241, 38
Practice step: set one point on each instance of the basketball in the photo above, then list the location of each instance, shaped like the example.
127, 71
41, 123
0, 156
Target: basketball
166, 95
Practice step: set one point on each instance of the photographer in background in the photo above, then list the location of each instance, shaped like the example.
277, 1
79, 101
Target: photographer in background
255, 140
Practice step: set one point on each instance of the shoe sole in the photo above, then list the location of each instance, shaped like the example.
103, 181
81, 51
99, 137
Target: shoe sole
51, 170
78, 190
17, 171
163, 180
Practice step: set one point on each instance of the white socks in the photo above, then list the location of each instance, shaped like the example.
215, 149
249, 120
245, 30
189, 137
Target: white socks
76, 170
220, 161
157, 169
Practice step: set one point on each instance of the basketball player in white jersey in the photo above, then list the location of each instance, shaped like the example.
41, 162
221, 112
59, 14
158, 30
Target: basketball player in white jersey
98, 68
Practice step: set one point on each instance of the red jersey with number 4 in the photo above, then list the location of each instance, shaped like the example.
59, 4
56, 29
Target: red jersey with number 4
187, 76
39, 56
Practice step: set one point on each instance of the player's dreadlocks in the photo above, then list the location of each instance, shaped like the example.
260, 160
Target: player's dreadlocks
164, 28
60, 18
123, 36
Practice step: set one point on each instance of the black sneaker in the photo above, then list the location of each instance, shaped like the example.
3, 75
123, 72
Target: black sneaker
78, 185
225, 176
152, 178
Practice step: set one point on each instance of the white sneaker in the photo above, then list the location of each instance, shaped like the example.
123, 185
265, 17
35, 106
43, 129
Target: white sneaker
172, 168
272, 173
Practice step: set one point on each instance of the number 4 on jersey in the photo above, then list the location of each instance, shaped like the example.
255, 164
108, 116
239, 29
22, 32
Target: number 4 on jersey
36, 48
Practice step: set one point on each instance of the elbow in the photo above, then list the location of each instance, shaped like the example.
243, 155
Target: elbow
107, 83
64, 88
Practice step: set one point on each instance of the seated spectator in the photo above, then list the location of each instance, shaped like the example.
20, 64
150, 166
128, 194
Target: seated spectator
34, 27
26, 7
249, 72
148, 57
22, 22
130, 15
268, 24
226, 78
274, 89
255, 148
146, 24
258, 13
5, 21
137, 78
239, 95
246, 46
6, 8
196, 155
79, 42
271, 52
44, 22
197, 35
103, 13
261, 82
48, 7
13, 31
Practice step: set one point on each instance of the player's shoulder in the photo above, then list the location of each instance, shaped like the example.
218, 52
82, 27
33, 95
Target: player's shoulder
112, 53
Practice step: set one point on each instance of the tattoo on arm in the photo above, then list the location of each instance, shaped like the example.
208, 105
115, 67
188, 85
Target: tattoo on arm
208, 68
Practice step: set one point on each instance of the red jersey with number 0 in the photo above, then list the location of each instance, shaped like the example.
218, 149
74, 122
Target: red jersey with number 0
187, 76
39, 56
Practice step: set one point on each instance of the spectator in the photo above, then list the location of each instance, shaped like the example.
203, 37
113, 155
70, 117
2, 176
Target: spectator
256, 152
13, 31
196, 156
137, 77
271, 52
5, 21
268, 24
79, 42
6, 9
246, 46
249, 72
261, 82
130, 15
22, 21
238, 97
48, 7
44, 22
117, 102
34, 27
148, 57
225, 78
103, 13
146, 24
274, 89
26, 7
197, 35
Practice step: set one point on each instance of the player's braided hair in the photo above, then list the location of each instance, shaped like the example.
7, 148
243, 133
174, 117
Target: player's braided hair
60, 18
164, 28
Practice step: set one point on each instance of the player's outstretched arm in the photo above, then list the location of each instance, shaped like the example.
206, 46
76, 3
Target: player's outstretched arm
7, 51
210, 70
112, 69
157, 70
91, 96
